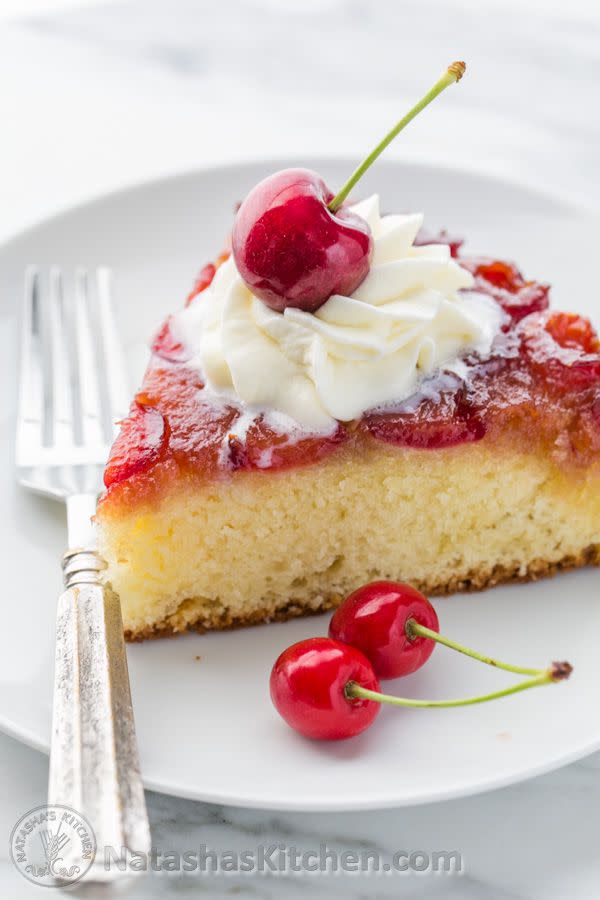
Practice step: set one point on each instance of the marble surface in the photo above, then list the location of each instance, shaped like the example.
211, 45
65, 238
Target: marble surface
101, 95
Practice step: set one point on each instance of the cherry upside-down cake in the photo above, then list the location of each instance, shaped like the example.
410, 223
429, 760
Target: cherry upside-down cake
345, 399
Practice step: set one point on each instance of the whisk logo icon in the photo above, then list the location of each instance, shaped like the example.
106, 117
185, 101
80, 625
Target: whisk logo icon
53, 846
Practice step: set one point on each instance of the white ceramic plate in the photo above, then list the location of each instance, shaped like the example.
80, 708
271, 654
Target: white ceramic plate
205, 723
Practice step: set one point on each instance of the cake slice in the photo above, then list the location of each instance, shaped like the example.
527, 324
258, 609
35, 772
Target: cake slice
255, 480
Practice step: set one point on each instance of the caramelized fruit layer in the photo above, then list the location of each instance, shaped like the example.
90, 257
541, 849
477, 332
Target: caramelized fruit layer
540, 385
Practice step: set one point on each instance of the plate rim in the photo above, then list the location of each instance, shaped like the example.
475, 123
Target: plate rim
569, 201
250, 801
312, 804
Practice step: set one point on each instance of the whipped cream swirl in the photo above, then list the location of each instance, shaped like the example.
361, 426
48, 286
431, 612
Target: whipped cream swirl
371, 349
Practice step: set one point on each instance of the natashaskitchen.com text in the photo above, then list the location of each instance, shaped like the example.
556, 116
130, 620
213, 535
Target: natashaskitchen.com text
283, 859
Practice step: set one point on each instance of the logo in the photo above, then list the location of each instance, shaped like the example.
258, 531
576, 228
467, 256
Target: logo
53, 846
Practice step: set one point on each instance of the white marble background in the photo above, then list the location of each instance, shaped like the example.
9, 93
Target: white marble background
93, 96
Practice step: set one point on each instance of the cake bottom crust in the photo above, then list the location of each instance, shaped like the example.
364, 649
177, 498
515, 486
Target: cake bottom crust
192, 614
263, 547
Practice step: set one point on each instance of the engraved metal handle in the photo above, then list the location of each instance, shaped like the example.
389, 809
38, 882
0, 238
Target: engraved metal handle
94, 765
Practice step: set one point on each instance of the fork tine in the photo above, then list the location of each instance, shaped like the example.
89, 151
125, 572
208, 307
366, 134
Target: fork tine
30, 412
113, 386
72, 381
72, 328
61, 408
86, 364
43, 337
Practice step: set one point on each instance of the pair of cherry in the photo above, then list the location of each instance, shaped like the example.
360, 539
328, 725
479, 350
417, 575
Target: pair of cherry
327, 688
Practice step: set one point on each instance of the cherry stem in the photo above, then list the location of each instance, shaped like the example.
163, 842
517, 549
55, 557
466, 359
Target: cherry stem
557, 672
453, 73
415, 629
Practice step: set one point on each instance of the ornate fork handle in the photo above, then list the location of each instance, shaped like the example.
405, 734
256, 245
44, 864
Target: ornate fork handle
94, 765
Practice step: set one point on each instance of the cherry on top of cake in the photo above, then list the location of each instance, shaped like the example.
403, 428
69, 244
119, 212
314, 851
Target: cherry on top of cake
296, 244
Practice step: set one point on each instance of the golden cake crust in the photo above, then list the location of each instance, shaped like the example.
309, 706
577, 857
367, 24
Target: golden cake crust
223, 620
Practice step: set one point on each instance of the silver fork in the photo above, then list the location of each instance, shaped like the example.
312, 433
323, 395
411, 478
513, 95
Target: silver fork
72, 390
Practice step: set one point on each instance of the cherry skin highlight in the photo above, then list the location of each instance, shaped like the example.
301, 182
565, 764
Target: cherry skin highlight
308, 683
373, 619
291, 250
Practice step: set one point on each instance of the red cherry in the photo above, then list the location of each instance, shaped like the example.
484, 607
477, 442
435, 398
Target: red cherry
374, 620
308, 689
291, 250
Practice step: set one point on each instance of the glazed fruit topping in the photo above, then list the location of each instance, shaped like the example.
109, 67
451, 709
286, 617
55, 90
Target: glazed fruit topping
206, 275
504, 282
562, 348
573, 331
167, 347
522, 387
204, 279
328, 688
444, 419
501, 274
141, 443
265, 448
